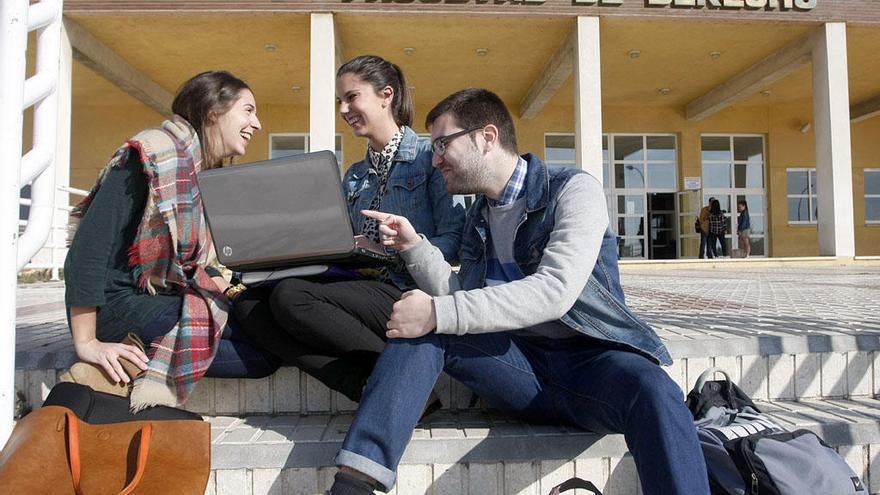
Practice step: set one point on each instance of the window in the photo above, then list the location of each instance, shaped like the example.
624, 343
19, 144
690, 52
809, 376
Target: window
296, 144
733, 162
635, 167
872, 196
801, 191
559, 150
733, 170
640, 161
644, 162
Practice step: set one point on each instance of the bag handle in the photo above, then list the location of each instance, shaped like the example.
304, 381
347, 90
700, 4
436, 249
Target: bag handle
573, 484
76, 464
706, 375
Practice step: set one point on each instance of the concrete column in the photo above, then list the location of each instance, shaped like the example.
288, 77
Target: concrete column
61, 216
588, 97
833, 152
322, 84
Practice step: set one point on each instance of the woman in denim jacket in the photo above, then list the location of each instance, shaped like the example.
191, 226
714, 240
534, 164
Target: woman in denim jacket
334, 329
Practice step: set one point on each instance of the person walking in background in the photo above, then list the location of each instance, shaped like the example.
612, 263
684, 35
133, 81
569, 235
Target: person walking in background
744, 228
703, 220
717, 229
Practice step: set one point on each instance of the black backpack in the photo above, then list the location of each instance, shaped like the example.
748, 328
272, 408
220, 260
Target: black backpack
575, 484
748, 453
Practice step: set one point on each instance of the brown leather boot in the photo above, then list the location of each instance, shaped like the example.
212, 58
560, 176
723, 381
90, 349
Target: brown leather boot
94, 377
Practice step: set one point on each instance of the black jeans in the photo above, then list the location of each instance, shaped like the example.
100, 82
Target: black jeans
713, 241
332, 330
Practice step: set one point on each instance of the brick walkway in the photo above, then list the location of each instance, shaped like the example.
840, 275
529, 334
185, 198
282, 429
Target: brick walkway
686, 306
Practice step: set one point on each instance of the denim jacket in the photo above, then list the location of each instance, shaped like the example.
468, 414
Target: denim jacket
416, 190
744, 222
600, 311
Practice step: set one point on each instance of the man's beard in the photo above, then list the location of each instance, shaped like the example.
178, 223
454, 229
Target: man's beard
471, 175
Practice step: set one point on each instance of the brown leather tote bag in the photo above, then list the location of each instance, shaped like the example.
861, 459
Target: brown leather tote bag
51, 451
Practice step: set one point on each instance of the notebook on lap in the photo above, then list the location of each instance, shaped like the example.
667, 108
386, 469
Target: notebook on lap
282, 213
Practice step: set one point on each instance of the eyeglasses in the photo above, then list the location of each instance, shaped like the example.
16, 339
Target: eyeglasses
438, 146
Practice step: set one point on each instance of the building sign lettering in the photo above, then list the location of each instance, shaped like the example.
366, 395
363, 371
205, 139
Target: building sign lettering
737, 4
695, 4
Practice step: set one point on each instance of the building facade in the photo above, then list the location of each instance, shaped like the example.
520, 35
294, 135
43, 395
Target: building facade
669, 102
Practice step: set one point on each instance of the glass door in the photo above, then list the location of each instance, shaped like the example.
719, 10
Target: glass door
631, 225
661, 226
688, 211
733, 170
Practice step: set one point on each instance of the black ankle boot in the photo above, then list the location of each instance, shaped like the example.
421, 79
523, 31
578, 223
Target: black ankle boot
346, 484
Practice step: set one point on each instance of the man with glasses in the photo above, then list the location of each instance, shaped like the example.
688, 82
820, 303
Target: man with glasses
534, 322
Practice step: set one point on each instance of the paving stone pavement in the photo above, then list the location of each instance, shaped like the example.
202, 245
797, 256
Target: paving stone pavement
748, 301
684, 305
700, 313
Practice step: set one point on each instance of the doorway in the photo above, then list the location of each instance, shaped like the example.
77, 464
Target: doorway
661, 226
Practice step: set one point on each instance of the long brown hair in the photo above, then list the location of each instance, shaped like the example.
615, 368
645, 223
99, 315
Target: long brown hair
205, 97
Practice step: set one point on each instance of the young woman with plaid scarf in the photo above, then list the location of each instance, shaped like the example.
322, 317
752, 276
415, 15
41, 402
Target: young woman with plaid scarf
142, 260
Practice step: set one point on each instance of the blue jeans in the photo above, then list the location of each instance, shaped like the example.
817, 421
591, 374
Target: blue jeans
567, 381
237, 356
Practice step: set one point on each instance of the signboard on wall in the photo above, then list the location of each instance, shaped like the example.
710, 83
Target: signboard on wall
693, 4
692, 183
859, 11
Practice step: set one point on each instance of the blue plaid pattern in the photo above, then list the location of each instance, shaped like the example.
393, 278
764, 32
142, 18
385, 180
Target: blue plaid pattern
515, 186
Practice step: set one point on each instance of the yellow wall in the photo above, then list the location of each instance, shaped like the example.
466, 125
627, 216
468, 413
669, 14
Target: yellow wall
787, 147
98, 130
866, 154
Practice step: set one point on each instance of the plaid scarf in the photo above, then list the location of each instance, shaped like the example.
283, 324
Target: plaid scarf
169, 253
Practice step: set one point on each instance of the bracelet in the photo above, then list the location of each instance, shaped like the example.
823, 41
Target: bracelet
233, 291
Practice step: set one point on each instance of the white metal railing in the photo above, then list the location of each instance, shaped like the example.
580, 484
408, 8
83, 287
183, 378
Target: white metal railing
58, 241
36, 167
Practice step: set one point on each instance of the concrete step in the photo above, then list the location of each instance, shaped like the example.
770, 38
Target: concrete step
482, 453
781, 333
808, 368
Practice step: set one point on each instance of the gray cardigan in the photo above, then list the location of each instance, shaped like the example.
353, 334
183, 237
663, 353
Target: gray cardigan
581, 221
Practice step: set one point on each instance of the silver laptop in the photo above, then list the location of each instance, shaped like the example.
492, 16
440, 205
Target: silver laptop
282, 213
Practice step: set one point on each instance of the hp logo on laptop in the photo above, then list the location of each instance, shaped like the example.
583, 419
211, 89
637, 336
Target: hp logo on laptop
227, 251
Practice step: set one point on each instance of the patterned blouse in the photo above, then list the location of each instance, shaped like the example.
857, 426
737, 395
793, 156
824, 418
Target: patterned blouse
381, 164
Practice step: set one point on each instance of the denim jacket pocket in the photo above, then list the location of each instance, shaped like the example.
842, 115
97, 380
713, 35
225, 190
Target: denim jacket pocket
355, 200
409, 196
529, 254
